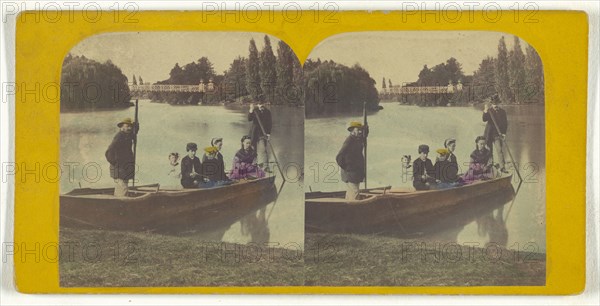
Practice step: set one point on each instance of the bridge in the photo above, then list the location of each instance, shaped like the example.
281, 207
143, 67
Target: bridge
147, 88
400, 90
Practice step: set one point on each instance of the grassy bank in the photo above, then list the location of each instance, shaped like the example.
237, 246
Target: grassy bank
115, 259
359, 260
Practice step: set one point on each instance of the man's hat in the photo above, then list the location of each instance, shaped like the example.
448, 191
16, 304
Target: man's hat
211, 150
443, 151
191, 147
423, 148
495, 99
125, 121
355, 124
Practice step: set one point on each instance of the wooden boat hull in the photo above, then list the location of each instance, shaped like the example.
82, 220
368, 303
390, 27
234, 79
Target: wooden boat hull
164, 210
397, 211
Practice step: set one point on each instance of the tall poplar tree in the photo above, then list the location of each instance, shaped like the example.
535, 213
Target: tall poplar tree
285, 73
517, 73
252, 72
502, 76
268, 71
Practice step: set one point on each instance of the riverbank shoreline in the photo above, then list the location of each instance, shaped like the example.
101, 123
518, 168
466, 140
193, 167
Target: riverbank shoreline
98, 258
370, 260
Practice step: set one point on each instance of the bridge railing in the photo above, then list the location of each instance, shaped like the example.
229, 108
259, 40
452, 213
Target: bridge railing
165, 88
411, 90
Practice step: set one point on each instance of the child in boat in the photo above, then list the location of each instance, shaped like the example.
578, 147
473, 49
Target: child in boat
423, 172
191, 168
174, 174
213, 169
244, 162
480, 165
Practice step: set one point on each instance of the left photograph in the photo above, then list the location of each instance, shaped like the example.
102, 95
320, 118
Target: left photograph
185, 153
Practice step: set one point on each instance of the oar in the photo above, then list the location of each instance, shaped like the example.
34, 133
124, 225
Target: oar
506, 145
135, 132
512, 203
277, 198
365, 138
270, 145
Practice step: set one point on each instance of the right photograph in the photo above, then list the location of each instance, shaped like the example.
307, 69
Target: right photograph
424, 160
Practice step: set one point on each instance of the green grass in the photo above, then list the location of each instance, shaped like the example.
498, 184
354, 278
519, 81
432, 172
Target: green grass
92, 258
359, 260
120, 259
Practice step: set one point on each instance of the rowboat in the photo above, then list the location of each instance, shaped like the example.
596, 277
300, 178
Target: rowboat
386, 210
149, 208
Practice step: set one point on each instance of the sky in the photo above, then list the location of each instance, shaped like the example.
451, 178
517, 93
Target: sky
152, 55
400, 56
397, 55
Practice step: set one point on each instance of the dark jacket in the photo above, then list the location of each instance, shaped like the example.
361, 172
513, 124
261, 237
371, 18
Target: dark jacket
351, 160
120, 156
214, 169
187, 166
490, 131
446, 171
265, 119
421, 167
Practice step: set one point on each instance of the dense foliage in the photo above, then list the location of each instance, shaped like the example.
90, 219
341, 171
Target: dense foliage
332, 88
90, 85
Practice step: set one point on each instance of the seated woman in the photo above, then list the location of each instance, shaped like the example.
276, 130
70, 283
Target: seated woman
480, 166
191, 167
423, 172
446, 172
244, 162
217, 143
213, 169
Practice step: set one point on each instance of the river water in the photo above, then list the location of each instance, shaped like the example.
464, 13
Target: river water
164, 129
398, 130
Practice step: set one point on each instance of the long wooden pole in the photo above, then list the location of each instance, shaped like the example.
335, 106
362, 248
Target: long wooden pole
135, 132
365, 138
505, 144
270, 145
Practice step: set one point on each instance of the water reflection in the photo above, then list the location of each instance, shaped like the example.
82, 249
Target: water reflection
493, 226
255, 226
446, 226
398, 130
166, 129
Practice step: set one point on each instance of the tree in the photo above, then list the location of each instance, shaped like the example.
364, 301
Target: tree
517, 73
90, 85
383, 83
286, 66
453, 71
534, 76
332, 88
141, 81
235, 79
176, 75
390, 83
502, 76
134, 80
425, 77
268, 71
252, 72
484, 79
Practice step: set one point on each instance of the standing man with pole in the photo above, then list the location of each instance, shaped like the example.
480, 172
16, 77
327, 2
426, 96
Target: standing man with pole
121, 158
495, 131
260, 131
352, 161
